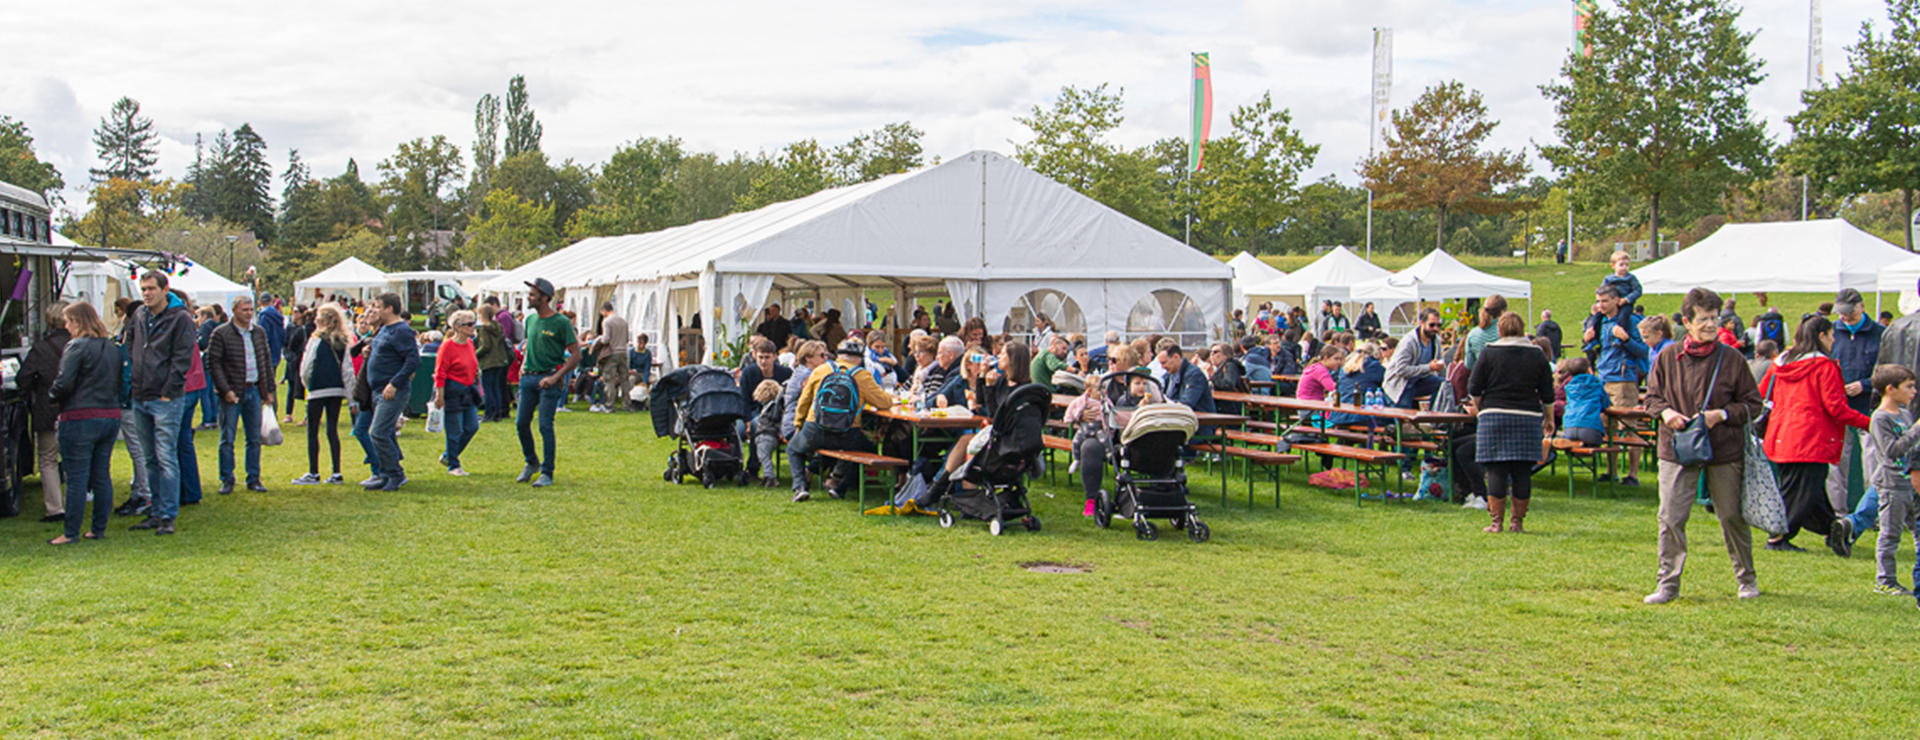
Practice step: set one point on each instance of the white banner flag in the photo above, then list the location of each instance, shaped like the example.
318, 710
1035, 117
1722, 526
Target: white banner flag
1382, 88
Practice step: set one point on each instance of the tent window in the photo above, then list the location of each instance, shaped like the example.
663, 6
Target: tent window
1055, 305
1168, 312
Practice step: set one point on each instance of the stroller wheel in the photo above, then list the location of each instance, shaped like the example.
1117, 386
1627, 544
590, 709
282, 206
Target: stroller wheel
1103, 509
1033, 523
706, 478
995, 526
668, 475
1198, 532
1144, 530
946, 519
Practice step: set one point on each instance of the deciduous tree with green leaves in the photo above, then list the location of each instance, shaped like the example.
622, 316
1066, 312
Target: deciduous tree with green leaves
19, 164
1436, 157
871, 155
635, 191
523, 130
1658, 111
1862, 135
802, 169
1252, 175
420, 184
511, 234
1069, 145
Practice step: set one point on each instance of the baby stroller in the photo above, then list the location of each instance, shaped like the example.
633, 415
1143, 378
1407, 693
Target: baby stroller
1152, 480
999, 472
701, 408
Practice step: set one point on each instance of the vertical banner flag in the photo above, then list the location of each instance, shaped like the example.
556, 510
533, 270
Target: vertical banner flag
1202, 112
1816, 56
1382, 88
1583, 11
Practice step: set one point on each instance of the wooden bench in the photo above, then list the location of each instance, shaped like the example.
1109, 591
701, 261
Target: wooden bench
1362, 459
1268, 460
1055, 443
1580, 455
867, 461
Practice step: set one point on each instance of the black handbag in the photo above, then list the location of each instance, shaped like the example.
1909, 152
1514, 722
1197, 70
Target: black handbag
1759, 424
1692, 446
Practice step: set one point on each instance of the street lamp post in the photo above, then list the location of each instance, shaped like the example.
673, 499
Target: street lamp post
231, 240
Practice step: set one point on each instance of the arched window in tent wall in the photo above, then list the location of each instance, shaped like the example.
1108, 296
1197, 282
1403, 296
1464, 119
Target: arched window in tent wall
1168, 312
1055, 305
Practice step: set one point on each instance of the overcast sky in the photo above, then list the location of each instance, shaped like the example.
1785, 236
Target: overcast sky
353, 78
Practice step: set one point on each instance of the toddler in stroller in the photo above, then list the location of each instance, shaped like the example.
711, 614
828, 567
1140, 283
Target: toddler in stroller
1145, 455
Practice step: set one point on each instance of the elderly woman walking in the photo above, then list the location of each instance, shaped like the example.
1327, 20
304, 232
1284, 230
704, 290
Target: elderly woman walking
456, 389
87, 390
1512, 389
1702, 379
1805, 431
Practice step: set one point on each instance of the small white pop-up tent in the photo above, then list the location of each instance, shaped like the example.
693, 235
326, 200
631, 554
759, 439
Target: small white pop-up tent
1249, 270
1329, 278
349, 275
1438, 277
1901, 278
1820, 256
205, 285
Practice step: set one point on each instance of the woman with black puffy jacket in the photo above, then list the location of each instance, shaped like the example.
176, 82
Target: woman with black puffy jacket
87, 391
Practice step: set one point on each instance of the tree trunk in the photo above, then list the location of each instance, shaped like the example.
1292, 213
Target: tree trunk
1907, 196
1654, 222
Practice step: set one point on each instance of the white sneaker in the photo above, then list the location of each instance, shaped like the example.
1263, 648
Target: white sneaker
1475, 502
595, 408
457, 471
563, 410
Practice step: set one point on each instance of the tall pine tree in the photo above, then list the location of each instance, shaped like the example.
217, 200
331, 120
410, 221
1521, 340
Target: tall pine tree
127, 145
523, 131
486, 150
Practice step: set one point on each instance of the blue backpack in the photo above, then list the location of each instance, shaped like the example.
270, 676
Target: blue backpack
836, 401
1774, 328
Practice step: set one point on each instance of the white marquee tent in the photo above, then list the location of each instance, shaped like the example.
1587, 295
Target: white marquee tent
1327, 279
1438, 277
1819, 256
349, 275
1249, 270
1003, 241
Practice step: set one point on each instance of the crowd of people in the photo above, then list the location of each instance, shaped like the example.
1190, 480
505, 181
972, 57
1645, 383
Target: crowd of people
1705, 377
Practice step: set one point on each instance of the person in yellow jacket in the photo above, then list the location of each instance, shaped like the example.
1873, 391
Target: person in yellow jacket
828, 414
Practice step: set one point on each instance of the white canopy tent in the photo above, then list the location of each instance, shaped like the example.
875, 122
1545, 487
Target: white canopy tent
1901, 278
349, 275
1820, 256
1329, 278
1002, 241
205, 285
1439, 277
1249, 270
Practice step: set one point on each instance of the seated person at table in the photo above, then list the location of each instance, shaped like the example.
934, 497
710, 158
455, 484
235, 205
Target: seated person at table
1414, 371
1227, 375
764, 365
1586, 400
829, 414
1184, 382
1092, 440
991, 380
1361, 374
1255, 356
1318, 381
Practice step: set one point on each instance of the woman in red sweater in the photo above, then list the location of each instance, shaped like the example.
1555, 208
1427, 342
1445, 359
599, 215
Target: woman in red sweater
456, 383
1804, 432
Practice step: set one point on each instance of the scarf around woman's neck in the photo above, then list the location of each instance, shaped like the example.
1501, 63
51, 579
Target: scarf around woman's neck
1700, 349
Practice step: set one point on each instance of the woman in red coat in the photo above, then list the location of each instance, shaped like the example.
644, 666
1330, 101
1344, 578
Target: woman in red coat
1805, 431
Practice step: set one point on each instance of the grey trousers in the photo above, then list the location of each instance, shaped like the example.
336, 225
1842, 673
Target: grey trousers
1837, 474
136, 449
1678, 486
764, 445
47, 447
1897, 514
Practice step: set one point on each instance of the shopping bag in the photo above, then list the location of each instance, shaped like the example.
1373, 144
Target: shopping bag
1760, 501
436, 420
269, 427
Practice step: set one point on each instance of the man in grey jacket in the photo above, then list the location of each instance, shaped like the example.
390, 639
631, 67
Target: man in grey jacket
1414, 369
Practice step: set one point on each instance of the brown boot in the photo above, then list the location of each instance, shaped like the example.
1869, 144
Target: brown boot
1497, 507
1519, 513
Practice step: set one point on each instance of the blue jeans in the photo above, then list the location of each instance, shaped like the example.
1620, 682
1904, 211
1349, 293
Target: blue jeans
543, 400
209, 404
386, 431
363, 432
247, 412
1867, 515
86, 455
158, 423
189, 457
1425, 385
460, 427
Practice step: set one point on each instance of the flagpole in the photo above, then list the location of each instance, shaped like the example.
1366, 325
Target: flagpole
1192, 108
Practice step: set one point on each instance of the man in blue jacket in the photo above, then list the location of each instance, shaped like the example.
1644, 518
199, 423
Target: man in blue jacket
392, 359
1622, 359
1856, 347
1185, 383
275, 325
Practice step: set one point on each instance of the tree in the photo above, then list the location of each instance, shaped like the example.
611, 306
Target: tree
486, 149
420, 184
636, 191
20, 166
1658, 112
247, 189
1069, 139
127, 145
1434, 159
802, 169
513, 232
708, 187
523, 131
869, 156
1252, 175
1862, 135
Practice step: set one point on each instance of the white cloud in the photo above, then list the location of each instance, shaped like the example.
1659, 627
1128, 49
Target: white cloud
353, 78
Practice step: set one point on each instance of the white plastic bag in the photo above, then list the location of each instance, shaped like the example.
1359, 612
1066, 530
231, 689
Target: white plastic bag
436, 420
269, 427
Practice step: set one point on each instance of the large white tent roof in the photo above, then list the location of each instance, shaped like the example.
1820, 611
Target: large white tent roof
1819, 256
1329, 276
980, 216
349, 274
1438, 277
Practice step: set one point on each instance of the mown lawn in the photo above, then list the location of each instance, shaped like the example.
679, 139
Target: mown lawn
614, 605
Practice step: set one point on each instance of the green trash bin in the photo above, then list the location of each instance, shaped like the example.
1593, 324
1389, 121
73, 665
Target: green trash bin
422, 387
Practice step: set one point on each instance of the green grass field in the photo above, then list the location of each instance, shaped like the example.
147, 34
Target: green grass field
615, 605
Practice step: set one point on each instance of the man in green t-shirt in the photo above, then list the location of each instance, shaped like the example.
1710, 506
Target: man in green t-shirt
1049, 360
552, 350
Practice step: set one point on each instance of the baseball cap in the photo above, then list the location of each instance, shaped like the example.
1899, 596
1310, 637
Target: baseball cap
1847, 300
852, 347
542, 285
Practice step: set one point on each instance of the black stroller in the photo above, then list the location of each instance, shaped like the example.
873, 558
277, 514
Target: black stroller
999, 472
1145, 458
701, 408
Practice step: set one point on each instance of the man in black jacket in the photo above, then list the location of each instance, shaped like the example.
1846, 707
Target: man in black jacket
160, 347
36, 376
1550, 329
296, 350
240, 368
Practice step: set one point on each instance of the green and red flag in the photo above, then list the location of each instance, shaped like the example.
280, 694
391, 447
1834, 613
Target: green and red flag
1583, 11
1202, 112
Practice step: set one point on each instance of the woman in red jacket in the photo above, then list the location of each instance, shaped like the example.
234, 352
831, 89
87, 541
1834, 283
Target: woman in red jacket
1804, 433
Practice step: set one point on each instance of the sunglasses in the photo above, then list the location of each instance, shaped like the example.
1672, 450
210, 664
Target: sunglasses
464, 324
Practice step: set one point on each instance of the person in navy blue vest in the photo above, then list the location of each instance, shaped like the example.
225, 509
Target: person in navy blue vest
1856, 346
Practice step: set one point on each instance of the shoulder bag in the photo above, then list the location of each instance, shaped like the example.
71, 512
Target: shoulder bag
1692, 446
